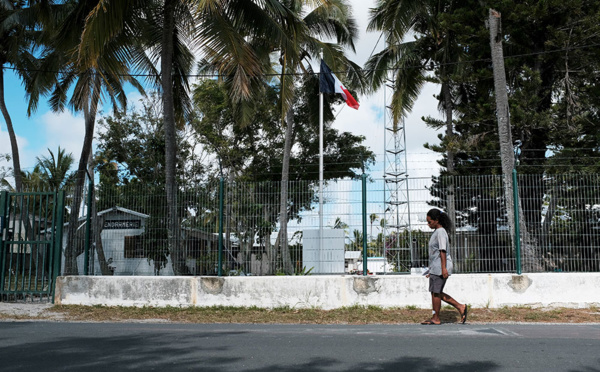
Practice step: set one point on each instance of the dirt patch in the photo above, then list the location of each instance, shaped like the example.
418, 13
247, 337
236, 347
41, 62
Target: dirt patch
349, 315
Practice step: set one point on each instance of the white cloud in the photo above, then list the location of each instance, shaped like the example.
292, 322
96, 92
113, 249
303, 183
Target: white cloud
64, 130
135, 99
5, 142
6, 148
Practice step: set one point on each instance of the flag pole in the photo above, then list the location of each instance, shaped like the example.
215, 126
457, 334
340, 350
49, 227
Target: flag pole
320, 167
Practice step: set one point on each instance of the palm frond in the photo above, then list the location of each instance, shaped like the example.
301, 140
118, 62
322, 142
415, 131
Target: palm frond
396, 17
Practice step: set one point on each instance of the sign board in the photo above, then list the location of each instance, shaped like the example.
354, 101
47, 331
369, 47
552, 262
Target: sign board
122, 224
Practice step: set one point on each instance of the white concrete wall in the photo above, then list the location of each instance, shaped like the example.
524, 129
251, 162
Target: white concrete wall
578, 290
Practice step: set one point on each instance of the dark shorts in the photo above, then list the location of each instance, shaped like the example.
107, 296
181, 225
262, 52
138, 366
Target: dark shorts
436, 283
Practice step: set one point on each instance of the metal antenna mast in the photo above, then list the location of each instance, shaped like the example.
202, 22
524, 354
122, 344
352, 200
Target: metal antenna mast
397, 236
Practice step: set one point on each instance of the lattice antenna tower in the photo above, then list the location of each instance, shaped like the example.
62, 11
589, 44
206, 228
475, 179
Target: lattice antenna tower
397, 236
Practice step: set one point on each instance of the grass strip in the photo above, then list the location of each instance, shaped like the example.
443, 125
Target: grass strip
346, 315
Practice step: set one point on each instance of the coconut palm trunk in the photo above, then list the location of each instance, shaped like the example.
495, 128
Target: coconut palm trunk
13, 138
531, 258
97, 227
285, 177
89, 114
175, 250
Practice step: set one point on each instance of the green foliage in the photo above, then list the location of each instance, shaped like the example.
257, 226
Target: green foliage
5, 173
250, 156
130, 160
254, 150
304, 271
400, 257
55, 169
550, 89
551, 67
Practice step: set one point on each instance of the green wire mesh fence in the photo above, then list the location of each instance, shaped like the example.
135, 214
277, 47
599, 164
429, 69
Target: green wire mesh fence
559, 228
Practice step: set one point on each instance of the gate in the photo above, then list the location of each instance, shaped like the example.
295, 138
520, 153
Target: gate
30, 245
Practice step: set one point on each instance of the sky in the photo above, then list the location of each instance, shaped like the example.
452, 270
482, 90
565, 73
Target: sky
48, 130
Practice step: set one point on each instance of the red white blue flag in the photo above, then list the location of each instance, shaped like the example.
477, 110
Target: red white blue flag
329, 83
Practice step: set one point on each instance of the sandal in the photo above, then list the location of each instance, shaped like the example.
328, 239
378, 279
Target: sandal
463, 317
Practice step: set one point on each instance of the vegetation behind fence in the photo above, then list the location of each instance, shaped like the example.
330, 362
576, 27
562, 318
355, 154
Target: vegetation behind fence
561, 217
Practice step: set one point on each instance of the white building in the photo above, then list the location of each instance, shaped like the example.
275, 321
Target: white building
121, 245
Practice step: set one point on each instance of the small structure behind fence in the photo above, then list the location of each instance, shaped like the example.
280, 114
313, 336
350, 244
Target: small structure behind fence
561, 214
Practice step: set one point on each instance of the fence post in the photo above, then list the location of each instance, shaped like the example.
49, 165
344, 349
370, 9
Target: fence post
221, 197
517, 230
364, 221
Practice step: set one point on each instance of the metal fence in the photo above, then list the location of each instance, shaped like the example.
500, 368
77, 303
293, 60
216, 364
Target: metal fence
30, 230
559, 228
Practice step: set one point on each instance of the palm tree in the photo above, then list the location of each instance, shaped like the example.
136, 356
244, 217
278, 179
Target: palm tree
358, 239
328, 19
34, 179
436, 50
339, 224
55, 170
382, 224
373, 217
16, 41
237, 39
62, 69
169, 29
287, 32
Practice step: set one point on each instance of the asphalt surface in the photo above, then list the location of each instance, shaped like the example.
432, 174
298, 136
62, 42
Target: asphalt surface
64, 346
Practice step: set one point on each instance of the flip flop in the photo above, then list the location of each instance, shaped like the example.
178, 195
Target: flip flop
464, 315
429, 322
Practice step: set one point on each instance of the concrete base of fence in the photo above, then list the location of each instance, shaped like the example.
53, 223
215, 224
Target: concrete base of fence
574, 290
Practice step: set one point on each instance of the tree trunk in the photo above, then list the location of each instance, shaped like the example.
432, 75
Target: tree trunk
97, 227
450, 201
13, 139
270, 249
89, 114
176, 251
545, 231
531, 259
285, 177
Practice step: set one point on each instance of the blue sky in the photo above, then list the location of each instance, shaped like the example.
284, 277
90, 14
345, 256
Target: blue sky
45, 129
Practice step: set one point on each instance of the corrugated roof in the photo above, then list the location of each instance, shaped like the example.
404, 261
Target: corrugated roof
124, 210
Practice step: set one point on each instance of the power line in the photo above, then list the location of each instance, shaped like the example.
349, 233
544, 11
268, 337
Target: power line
216, 75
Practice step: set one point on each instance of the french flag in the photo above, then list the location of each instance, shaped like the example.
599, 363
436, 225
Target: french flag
329, 83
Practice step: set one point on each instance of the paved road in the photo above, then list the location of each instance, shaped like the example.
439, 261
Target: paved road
60, 346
